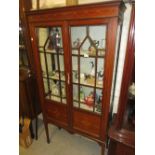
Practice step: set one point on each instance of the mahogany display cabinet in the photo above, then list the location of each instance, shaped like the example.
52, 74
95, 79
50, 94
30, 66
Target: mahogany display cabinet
74, 50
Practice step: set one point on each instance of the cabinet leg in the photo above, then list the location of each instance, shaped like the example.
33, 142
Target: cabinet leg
37, 128
31, 130
102, 149
47, 132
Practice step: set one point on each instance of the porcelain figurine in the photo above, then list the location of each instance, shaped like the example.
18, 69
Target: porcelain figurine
96, 43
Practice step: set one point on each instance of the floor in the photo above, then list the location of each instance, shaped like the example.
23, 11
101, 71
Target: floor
62, 143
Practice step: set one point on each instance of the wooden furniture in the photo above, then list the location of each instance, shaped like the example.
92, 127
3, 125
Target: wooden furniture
28, 98
122, 131
29, 103
74, 50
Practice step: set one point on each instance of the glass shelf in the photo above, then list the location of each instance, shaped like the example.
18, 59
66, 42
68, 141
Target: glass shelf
88, 85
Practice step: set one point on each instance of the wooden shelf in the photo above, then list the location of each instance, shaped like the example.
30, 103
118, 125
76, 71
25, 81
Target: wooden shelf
86, 54
88, 85
51, 52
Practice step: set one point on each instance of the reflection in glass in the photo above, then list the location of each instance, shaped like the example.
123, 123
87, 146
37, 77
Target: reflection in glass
91, 40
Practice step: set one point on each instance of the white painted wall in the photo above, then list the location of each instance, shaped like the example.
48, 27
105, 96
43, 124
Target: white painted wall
122, 52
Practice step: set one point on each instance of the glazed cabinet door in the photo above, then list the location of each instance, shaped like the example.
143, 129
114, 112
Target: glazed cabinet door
49, 54
88, 51
90, 90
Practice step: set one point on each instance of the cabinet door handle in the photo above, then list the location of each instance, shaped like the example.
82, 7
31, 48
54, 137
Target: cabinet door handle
68, 79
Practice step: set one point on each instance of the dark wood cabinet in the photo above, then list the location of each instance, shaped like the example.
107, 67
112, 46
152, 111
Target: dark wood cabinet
29, 104
73, 50
122, 131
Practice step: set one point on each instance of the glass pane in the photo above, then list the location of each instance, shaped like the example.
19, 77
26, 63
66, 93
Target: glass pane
98, 35
77, 35
75, 93
75, 69
98, 101
43, 67
63, 92
87, 71
90, 39
100, 73
88, 48
45, 85
50, 48
86, 98
88, 51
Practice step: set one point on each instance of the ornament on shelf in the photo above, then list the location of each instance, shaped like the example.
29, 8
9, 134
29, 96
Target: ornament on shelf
89, 100
54, 39
96, 42
91, 50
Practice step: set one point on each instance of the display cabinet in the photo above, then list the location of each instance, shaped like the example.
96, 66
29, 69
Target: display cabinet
74, 49
122, 131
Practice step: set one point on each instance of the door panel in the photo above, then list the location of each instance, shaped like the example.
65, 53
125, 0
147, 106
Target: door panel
88, 47
51, 54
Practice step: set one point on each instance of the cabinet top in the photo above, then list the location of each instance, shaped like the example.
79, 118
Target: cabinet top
95, 10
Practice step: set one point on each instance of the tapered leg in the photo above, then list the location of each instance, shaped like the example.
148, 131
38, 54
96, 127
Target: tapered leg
102, 149
37, 128
47, 132
31, 130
